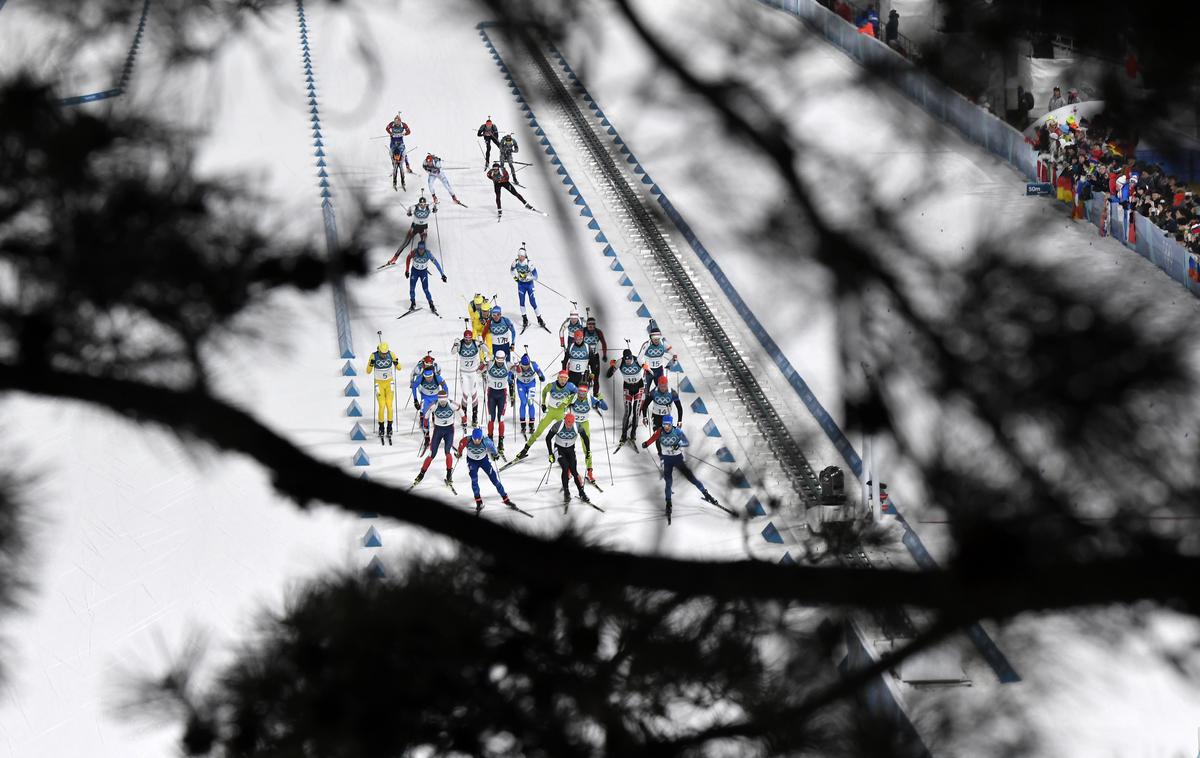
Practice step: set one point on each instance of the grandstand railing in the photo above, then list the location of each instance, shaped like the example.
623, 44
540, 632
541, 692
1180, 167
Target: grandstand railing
978, 126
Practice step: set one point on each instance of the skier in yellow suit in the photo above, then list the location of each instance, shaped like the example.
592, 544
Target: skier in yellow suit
384, 365
479, 310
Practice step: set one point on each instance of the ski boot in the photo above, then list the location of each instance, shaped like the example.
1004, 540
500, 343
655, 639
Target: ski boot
541, 322
524, 322
381, 432
668, 513
566, 498
500, 447
523, 454
412, 305
590, 477
499, 213
433, 309
508, 502
474, 416
479, 504
707, 497
450, 477
583, 495
389, 432
528, 207
420, 476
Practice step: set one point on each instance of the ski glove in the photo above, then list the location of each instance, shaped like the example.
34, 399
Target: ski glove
443, 277
552, 457
416, 404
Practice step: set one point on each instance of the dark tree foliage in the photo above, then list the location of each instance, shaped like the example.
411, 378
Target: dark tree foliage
458, 656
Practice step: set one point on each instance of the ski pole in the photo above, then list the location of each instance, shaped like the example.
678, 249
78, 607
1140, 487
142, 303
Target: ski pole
706, 463
545, 476
438, 228
607, 449
547, 286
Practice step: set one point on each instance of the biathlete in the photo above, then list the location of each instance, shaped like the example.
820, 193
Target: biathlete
560, 443
525, 274
421, 213
633, 387
557, 397
499, 333
397, 130
527, 374
384, 365
440, 417
498, 379
425, 391
416, 268
659, 401
480, 452
671, 442
581, 408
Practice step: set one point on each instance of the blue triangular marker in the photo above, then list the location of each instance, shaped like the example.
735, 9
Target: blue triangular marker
354, 411
609, 252
351, 389
318, 143
787, 560
604, 122
772, 535
348, 353
313, 110
634, 297
361, 459
643, 312
698, 406
601, 238
374, 569
539, 132
739, 480
322, 174
561, 170
685, 385
320, 161
325, 194
544, 141
315, 119
676, 367
723, 454
711, 430
320, 152
654, 190
754, 507
647, 180
574, 191
616, 265
625, 281
358, 434
567, 181
586, 212
617, 140
372, 538
555, 161
348, 369
611, 130
580, 201
323, 183
593, 224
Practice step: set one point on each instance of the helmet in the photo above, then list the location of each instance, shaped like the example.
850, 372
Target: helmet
422, 201
583, 388
574, 314
522, 254
591, 320
495, 164
427, 373
383, 347
569, 419
428, 156
662, 381
570, 388
628, 354
563, 374
498, 358
443, 393
668, 420
428, 360
655, 336
578, 334
467, 334
478, 298
497, 310
489, 121
525, 360
477, 434
420, 244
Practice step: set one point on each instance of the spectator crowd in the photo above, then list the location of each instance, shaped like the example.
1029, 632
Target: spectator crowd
1086, 157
